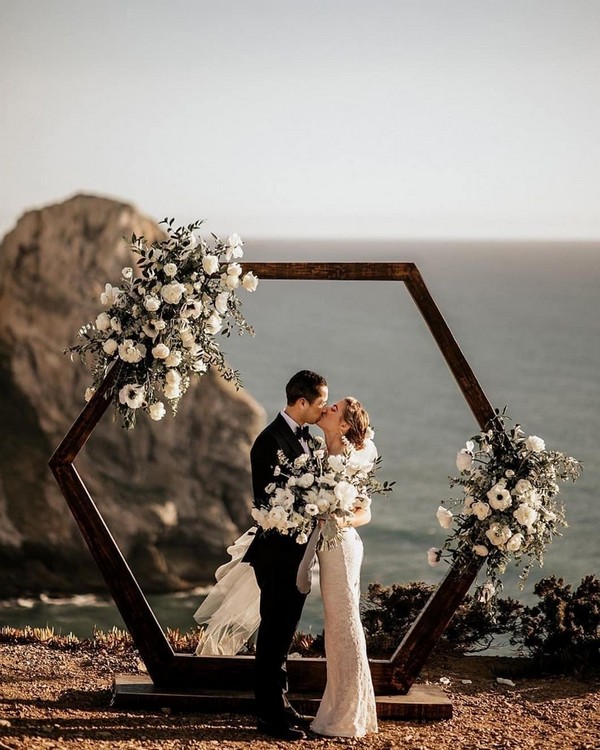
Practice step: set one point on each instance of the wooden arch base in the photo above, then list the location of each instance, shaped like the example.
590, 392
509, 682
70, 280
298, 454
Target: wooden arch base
224, 683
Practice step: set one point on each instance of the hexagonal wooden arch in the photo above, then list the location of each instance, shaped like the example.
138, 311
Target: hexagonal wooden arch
169, 669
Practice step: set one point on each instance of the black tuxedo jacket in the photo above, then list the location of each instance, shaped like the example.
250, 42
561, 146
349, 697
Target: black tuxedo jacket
271, 547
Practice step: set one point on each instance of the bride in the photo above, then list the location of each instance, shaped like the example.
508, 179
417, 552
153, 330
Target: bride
347, 708
231, 610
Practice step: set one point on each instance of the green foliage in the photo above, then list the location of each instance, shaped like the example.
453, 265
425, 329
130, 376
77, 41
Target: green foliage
389, 611
562, 632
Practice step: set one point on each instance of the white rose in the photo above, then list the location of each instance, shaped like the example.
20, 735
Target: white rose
480, 549
525, 515
250, 282
464, 461
172, 391
300, 461
115, 324
481, 510
346, 494
301, 538
325, 500
515, 542
444, 516
187, 339
129, 351
498, 534
174, 359
170, 269
234, 269
259, 515
277, 515
231, 282
210, 264
151, 303
89, 392
213, 324
499, 497
103, 322
523, 486
157, 411
153, 327
127, 272
172, 293
132, 395
306, 480
468, 505
110, 296
311, 509
535, 444
110, 347
336, 463
221, 302
160, 351
433, 556
199, 366
173, 377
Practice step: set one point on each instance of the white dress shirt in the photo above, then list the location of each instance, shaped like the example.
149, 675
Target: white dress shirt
293, 426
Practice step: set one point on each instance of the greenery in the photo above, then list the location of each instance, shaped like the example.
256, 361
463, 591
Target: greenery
508, 510
159, 325
560, 634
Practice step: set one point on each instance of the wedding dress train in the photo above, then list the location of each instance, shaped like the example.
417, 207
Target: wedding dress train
348, 707
231, 610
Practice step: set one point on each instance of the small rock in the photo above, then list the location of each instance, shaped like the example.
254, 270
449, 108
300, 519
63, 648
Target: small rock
445, 680
504, 681
5, 723
467, 682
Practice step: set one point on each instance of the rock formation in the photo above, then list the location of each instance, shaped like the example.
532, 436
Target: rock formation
174, 493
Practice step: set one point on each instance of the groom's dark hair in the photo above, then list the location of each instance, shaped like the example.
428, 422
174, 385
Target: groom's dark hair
304, 384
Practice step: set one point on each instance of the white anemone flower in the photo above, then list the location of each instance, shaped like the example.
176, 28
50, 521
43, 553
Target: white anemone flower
132, 395
499, 497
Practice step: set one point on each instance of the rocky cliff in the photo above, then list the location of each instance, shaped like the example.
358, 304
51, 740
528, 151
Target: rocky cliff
173, 493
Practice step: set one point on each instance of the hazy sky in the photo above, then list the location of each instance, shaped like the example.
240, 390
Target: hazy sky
440, 118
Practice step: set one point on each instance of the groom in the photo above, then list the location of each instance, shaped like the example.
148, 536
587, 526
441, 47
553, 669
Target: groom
275, 557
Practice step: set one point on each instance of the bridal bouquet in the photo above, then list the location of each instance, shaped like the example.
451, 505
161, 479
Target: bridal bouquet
509, 511
318, 488
159, 323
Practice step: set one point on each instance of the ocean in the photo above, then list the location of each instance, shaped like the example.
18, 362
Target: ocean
527, 317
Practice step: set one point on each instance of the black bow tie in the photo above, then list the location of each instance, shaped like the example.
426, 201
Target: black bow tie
302, 433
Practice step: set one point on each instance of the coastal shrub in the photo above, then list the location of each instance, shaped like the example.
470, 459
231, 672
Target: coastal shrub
562, 632
389, 611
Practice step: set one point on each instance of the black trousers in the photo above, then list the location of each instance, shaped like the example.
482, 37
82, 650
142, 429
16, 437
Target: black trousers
280, 610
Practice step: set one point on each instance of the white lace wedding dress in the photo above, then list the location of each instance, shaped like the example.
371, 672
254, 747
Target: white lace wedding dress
348, 707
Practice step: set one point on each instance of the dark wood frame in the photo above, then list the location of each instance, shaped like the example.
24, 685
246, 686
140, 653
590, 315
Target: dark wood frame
169, 669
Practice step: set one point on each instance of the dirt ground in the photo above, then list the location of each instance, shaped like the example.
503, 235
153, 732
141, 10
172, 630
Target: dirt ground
52, 699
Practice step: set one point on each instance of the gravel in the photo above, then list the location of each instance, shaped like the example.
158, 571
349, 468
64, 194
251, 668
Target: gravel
52, 699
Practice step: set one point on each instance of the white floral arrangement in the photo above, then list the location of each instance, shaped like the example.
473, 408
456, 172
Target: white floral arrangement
317, 488
159, 323
508, 510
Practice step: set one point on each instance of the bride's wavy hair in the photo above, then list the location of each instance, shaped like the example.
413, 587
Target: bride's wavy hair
358, 419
